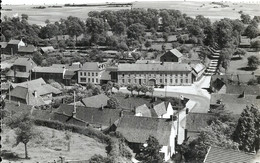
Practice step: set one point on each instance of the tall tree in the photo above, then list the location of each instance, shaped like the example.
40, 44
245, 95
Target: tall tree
131, 88
253, 62
251, 31
245, 18
75, 26
119, 28
136, 31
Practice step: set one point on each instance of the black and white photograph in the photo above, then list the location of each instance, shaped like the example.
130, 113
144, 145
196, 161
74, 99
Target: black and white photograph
125, 81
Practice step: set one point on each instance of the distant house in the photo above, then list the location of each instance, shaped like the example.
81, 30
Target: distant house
171, 56
198, 70
49, 73
24, 50
164, 110
234, 103
244, 42
136, 130
143, 111
38, 88
97, 101
82, 116
3, 46
13, 46
47, 49
91, 72
21, 70
217, 154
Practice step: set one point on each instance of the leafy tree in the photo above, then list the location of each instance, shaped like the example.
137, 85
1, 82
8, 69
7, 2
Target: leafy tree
253, 62
116, 85
74, 26
240, 52
147, 44
151, 90
151, 153
136, 31
137, 88
96, 90
256, 45
248, 130
225, 57
119, 28
38, 58
23, 125
113, 103
144, 89
251, 31
245, 18
25, 16
131, 88
97, 158
252, 82
223, 32
90, 86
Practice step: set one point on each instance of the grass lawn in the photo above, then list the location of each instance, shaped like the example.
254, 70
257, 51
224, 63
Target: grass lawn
240, 66
48, 146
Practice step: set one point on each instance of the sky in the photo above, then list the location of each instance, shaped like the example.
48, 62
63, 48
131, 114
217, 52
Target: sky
38, 2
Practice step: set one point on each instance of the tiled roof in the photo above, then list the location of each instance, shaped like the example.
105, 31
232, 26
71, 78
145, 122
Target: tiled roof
197, 121
27, 49
47, 49
217, 154
91, 66
33, 83
48, 70
14, 42
176, 53
154, 67
239, 89
24, 61
160, 109
138, 129
105, 117
144, 110
95, 101
3, 44
234, 103
18, 74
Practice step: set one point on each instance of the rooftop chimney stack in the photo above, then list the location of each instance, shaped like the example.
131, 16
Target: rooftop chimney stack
35, 94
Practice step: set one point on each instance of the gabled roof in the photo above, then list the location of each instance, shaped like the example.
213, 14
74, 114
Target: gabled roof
47, 49
155, 67
160, 109
18, 74
233, 102
198, 67
90, 66
24, 61
105, 117
14, 42
69, 74
3, 44
138, 129
144, 110
217, 154
239, 89
27, 49
176, 52
48, 70
197, 121
242, 78
95, 101
32, 84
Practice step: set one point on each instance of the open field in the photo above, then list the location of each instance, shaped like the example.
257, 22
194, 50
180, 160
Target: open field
46, 147
240, 66
38, 16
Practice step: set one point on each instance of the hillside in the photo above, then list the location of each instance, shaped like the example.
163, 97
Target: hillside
48, 146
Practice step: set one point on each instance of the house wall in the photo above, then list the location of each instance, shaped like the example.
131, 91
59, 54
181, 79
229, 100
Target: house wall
58, 77
169, 110
160, 78
11, 49
85, 77
16, 99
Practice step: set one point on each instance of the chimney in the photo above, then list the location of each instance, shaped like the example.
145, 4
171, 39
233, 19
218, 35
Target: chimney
35, 94
18, 103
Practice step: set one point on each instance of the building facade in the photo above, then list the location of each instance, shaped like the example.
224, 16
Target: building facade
91, 73
155, 74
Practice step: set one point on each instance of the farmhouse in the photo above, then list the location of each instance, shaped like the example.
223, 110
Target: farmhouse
28, 49
164, 131
13, 46
171, 56
47, 73
155, 74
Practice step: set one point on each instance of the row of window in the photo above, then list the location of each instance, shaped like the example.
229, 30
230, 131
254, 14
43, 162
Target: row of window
93, 80
161, 74
161, 81
89, 73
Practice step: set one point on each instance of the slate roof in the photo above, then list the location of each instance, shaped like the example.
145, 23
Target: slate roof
105, 117
233, 103
138, 129
217, 154
160, 109
24, 61
3, 44
95, 101
90, 66
197, 121
154, 67
239, 89
14, 42
27, 49
144, 110
48, 70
